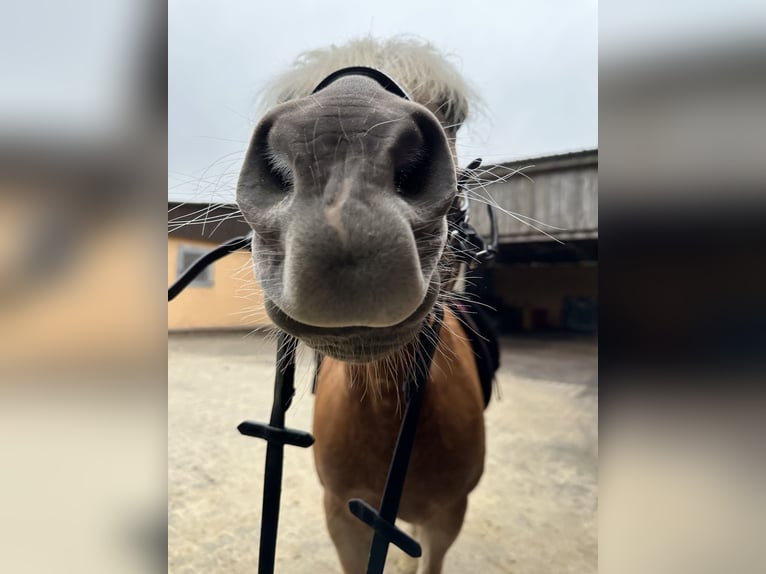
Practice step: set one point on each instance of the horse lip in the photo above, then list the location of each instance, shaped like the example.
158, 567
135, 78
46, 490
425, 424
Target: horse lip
355, 343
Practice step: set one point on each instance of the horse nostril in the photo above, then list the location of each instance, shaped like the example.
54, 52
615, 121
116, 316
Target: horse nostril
423, 166
410, 178
412, 162
269, 169
279, 170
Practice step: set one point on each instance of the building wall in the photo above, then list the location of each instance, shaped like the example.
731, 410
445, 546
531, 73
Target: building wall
95, 308
558, 191
537, 295
233, 301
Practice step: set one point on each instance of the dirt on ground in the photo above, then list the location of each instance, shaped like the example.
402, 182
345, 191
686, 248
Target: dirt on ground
534, 511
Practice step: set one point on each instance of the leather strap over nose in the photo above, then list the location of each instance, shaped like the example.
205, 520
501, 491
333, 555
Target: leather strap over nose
386, 83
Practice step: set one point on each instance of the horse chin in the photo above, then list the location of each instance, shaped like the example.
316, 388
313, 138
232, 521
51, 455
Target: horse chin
355, 344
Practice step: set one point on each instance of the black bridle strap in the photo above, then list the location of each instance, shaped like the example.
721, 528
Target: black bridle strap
386, 82
382, 521
277, 436
207, 259
470, 247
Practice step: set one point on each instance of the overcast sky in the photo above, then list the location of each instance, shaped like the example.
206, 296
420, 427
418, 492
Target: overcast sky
535, 64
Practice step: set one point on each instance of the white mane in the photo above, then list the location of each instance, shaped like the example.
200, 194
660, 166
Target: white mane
416, 65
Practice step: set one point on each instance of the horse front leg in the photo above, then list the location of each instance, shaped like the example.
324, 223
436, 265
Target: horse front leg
438, 534
351, 537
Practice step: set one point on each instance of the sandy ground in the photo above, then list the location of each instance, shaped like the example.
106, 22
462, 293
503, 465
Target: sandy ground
534, 512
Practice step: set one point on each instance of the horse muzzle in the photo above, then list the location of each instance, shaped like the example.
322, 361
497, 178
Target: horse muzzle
347, 192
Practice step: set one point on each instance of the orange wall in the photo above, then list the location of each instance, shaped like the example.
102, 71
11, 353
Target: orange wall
97, 308
233, 301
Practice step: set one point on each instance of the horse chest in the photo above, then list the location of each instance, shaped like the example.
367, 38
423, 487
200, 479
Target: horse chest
356, 433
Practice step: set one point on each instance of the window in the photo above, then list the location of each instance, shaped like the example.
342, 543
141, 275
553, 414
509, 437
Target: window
188, 255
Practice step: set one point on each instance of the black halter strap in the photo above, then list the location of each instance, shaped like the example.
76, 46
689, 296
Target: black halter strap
386, 83
276, 436
206, 260
382, 521
470, 247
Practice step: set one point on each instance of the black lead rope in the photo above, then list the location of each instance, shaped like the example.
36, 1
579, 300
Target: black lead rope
274, 433
277, 436
207, 259
382, 521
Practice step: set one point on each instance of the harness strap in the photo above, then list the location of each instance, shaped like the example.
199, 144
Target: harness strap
277, 437
383, 521
208, 258
385, 81
470, 247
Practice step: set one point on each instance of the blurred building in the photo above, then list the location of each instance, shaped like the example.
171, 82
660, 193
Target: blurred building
225, 295
546, 273
545, 276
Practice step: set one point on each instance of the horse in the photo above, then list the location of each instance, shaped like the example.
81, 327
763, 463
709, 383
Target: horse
348, 190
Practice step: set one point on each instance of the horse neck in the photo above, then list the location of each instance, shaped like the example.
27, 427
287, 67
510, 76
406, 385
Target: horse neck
383, 377
381, 384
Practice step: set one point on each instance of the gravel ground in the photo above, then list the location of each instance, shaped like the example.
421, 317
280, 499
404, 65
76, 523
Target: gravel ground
534, 511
